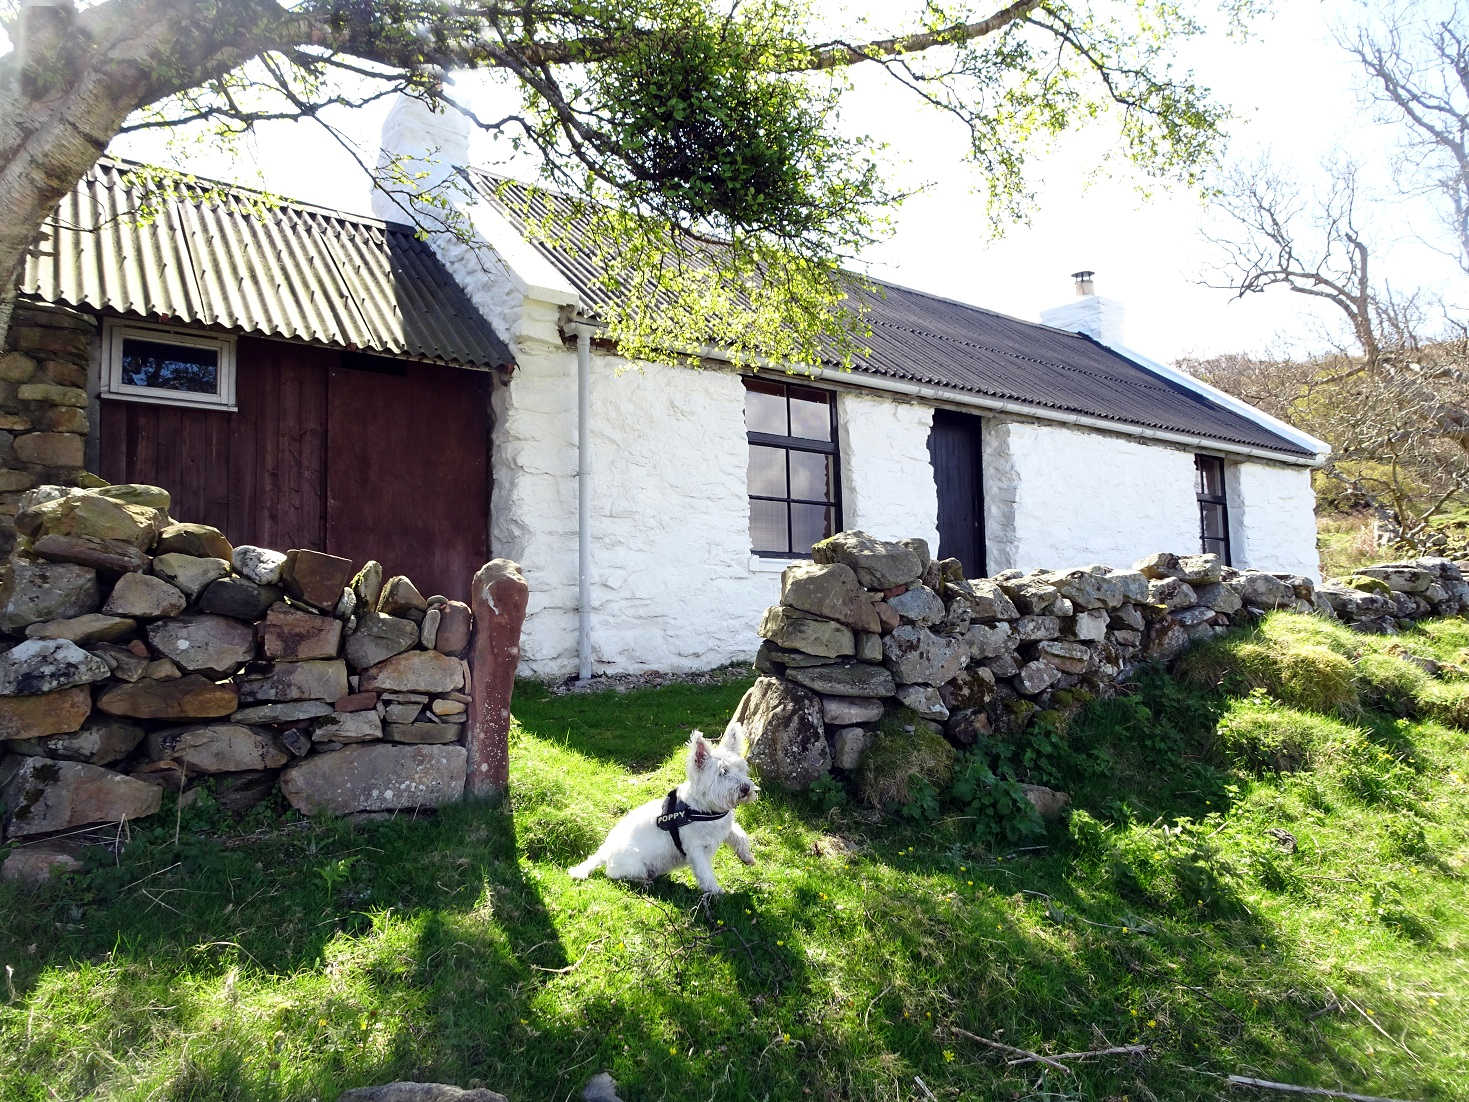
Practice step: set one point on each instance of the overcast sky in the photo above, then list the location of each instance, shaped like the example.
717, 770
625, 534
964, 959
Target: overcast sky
1293, 91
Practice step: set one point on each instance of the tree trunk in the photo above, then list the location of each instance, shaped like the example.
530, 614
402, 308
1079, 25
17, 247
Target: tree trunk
73, 77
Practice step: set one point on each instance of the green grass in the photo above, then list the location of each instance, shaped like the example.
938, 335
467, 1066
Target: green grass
291, 963
1345, 542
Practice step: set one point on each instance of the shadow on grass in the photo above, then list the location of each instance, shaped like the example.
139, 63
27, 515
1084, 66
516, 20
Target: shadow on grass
161, 921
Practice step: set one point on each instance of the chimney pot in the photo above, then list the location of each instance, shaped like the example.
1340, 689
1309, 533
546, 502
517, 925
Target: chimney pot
1085, 285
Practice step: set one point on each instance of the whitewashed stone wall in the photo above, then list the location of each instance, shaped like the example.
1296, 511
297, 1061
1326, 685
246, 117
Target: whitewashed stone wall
533, 504
1272, 518
1059, 495
674, 586
887, 478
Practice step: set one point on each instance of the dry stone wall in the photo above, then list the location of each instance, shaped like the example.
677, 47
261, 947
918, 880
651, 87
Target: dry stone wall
142, 654
43, 406
869, 631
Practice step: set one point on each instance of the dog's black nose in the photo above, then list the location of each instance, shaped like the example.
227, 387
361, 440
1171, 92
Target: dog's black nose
744, 790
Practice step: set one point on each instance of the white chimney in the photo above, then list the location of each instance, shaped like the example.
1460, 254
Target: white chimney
419, 139
1099, 318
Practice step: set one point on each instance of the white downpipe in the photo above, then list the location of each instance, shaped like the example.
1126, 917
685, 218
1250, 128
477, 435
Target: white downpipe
583, 501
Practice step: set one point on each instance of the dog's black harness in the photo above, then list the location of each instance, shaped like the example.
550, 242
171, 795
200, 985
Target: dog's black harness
677, 814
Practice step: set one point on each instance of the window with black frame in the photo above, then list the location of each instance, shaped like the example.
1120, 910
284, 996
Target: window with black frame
1213, 506
794, 478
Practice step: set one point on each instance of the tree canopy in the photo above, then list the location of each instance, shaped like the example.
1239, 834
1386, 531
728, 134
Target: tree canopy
684, 123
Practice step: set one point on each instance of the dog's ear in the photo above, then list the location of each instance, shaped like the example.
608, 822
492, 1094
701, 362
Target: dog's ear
734, 738
699, 749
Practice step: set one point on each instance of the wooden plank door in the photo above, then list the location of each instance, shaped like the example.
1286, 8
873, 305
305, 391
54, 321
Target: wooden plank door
954, 446
359, 456
408, 470
257, 474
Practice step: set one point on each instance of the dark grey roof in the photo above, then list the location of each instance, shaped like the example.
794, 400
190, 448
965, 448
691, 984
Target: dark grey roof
921, 338
215, 255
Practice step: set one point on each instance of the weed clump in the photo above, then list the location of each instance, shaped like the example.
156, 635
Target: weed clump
1448, 702
1301, 661
905, 749
1292, 630
1391, 684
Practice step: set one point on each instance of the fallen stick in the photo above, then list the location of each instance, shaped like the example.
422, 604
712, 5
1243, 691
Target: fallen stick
1117, 1050
1011, 1049
1324, 1092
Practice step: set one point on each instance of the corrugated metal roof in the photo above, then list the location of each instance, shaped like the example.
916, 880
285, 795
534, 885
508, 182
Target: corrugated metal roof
215, 255
922, 338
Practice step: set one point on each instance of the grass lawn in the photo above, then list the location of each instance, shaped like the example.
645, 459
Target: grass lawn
1264, 877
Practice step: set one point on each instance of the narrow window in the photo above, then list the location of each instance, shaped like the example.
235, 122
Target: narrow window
794, 479
171, 366
1213, 506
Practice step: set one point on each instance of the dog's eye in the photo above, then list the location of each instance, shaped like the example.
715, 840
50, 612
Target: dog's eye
724, 770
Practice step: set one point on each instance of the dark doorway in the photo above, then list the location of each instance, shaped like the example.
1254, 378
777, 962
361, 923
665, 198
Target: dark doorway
954, 446
337, 452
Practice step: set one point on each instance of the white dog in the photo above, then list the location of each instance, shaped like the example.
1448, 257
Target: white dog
686, 826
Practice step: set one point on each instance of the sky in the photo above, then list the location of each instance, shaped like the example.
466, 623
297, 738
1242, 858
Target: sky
1293, 93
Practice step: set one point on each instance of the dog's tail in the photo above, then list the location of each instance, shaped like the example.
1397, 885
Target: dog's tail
587, 867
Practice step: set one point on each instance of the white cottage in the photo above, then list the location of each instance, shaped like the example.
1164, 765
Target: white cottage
652, 507
1003, 443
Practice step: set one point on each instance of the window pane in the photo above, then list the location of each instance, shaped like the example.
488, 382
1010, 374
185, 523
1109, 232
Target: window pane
810, 523
1213, 522
812, 476
1211, 476
810, 414
170, 366
765, 408
767, 471
768, 526
1217, 547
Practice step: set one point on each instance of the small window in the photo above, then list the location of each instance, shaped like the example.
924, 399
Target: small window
172, 366
794, 477
1213, 506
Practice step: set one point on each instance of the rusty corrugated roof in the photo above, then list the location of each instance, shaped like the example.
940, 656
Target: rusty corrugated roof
921, 338
214, 254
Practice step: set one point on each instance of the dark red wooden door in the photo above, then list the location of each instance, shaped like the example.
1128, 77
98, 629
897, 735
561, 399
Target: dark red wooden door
408, 480
391, 463
259, 474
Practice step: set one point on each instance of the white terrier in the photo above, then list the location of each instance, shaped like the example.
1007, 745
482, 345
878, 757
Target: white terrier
688, 825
